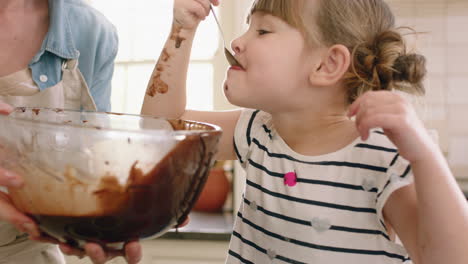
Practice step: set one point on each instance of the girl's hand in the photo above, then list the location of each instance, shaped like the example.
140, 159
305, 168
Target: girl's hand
189, 13
396, 116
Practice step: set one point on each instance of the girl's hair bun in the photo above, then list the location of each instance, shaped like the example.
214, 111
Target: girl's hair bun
383, 64
410, 68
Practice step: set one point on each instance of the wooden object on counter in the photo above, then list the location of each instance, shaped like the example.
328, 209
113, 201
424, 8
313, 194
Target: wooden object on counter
215, 191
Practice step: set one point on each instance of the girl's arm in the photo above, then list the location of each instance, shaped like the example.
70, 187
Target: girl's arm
166, 91
430, 216
166, 95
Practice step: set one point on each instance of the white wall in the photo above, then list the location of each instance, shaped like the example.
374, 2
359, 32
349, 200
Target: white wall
446, 48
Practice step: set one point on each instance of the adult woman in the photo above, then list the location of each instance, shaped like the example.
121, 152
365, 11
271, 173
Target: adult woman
53, 53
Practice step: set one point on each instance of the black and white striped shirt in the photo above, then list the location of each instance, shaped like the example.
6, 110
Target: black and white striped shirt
314, 209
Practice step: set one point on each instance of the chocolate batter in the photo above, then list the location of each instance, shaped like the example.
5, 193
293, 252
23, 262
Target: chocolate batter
176, 37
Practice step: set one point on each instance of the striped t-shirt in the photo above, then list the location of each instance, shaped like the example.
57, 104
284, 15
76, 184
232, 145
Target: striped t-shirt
314, 209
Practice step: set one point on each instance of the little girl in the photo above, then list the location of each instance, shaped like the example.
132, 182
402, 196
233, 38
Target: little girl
337, 163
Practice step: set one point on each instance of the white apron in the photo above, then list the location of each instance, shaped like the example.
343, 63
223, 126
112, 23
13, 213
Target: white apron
19, 89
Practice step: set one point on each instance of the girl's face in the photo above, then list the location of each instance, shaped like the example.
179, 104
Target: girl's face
276, 66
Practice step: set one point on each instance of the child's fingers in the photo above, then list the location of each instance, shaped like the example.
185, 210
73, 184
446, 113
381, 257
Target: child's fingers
373, 99
215, 2
360, 103
354, 107
382, 120
369, 112
361, 112
206, 6
197, 10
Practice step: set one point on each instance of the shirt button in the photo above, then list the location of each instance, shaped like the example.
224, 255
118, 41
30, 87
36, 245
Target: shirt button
271, 254
320, 224
290, 179
253, 205
368, 184
43, 78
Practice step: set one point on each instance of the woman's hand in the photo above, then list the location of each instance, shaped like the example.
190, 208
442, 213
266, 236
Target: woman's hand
189, 13
8, 211
132, 251
5, 109
10, 214
393, 113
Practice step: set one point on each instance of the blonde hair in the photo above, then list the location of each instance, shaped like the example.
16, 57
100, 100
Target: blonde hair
367, 28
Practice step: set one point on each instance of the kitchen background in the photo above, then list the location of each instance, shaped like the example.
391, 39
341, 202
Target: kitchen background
143, 30
446, 48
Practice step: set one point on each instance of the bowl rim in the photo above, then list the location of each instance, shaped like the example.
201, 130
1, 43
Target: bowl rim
215, 128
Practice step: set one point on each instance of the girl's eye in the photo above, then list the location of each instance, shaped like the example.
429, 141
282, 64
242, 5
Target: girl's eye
262, 32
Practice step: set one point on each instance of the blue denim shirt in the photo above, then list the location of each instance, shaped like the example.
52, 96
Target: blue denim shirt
77, 31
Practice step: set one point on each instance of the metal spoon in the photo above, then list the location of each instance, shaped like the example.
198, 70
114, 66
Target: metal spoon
230, 58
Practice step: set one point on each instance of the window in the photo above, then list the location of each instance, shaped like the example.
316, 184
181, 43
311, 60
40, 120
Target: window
143, 27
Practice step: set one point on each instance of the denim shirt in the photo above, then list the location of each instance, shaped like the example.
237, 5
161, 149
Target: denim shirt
77, 31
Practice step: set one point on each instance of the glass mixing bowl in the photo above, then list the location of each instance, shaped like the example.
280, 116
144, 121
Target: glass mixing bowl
105, 177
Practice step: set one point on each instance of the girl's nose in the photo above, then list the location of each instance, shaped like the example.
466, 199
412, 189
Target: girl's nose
237, 45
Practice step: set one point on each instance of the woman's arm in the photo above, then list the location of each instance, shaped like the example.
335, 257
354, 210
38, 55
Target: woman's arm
101, 85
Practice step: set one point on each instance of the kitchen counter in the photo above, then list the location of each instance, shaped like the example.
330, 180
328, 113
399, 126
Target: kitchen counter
205, 226
204, 240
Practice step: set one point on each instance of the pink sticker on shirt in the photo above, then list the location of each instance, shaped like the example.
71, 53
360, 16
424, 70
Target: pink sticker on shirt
290, 179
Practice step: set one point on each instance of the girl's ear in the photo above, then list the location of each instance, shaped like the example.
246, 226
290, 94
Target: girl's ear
334, 65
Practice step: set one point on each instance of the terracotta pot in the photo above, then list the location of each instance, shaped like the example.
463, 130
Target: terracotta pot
214, 193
